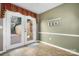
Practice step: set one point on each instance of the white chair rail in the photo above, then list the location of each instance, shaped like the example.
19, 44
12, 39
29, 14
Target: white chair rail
61, 34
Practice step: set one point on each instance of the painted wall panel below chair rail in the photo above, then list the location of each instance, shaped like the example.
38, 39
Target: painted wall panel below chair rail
67, 42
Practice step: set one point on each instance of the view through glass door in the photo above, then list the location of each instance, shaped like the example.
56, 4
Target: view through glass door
14, 30
30, 30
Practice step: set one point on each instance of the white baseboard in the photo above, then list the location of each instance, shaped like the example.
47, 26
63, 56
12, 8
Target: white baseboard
2, 52
73, 52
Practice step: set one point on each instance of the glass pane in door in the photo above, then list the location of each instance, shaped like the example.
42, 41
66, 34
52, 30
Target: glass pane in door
29, 30
16, 29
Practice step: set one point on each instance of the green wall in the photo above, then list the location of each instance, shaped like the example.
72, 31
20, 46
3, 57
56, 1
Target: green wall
1, 35
1, 39
69, 14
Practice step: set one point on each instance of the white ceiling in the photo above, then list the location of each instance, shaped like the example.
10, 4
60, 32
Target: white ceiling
38, 7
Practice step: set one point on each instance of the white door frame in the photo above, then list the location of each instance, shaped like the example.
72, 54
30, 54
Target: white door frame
33, 28
7, 34
8, 21
4, 36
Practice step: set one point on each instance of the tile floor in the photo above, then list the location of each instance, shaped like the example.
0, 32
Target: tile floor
37, 49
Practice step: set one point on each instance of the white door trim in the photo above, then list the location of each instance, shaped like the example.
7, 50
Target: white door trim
4, 36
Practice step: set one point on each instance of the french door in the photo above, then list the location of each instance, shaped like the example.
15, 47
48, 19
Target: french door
30, 29
21, 29
14, 22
